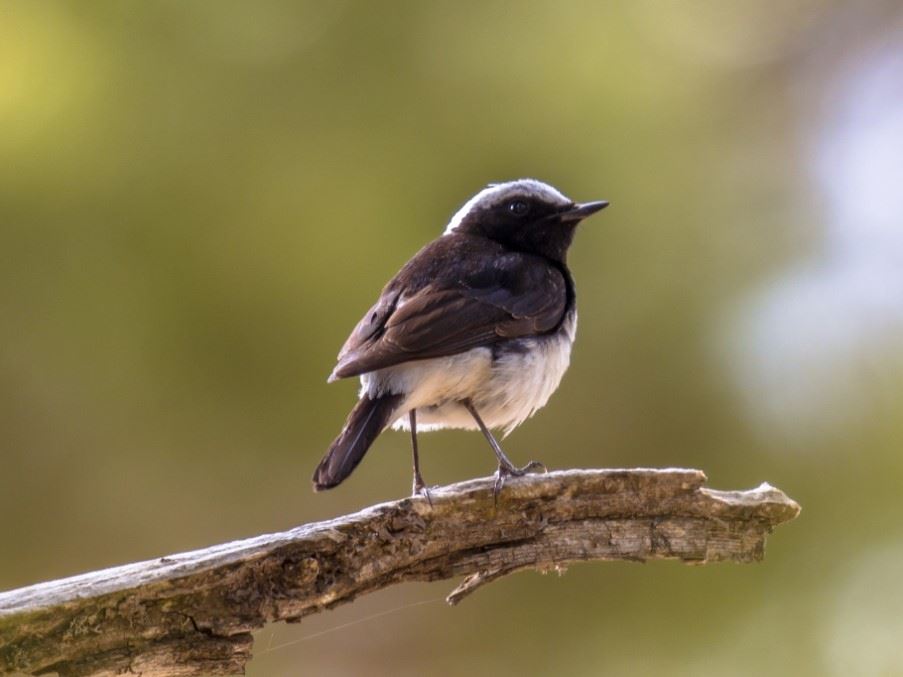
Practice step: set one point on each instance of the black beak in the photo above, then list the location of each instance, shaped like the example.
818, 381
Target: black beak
580, 211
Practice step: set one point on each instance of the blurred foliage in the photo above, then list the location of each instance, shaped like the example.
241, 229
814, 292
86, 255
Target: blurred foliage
197, 201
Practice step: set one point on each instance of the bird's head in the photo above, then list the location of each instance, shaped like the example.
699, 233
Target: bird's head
526, 215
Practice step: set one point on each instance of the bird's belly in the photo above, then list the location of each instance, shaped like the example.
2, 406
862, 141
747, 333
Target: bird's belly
430, 385
506, 384
525, 374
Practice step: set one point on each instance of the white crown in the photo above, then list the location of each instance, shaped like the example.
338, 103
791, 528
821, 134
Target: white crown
497, 193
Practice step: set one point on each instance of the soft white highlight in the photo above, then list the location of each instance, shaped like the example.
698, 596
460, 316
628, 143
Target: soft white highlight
496, 193
818, 349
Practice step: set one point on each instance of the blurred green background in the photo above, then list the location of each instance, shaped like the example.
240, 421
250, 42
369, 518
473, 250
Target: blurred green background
198, 200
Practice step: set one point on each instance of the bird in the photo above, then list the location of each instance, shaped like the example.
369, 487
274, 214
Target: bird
474, 332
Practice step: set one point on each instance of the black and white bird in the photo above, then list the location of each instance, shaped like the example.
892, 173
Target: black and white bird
474, 332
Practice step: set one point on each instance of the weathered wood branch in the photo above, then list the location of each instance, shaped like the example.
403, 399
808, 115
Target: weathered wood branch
193, 613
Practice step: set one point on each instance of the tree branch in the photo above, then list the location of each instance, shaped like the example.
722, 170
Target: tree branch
193, 613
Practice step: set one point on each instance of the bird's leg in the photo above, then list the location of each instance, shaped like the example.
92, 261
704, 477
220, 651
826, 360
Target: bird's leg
506, 467
420, 488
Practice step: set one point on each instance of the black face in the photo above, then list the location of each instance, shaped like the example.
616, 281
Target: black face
524, 223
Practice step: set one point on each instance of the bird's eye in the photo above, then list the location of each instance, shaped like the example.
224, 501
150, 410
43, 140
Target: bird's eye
518, 207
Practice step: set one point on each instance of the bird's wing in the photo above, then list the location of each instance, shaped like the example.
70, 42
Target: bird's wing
504, 296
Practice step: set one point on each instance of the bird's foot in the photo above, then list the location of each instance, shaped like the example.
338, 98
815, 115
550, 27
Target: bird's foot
506, 470
420, 489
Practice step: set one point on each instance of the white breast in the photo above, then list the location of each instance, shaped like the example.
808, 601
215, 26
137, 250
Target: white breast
505, 391
523, 382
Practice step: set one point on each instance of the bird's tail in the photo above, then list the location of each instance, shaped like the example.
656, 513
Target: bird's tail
365, 422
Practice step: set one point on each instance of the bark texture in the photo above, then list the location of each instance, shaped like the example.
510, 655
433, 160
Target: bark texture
193, 613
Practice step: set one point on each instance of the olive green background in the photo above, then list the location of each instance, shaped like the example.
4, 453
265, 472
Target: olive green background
198, 200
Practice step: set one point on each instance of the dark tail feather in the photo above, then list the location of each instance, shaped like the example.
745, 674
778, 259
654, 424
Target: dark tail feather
365, 422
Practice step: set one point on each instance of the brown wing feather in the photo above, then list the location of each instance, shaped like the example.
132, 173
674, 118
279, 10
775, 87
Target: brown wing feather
371, 326
519, 296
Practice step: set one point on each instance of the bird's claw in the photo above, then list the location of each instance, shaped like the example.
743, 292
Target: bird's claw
423, 491
506, 471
